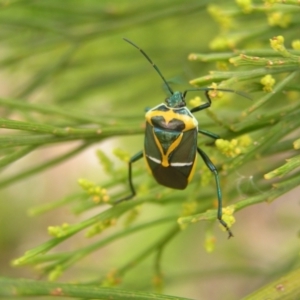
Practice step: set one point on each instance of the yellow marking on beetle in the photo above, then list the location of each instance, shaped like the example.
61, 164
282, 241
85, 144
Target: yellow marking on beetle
189, 121
173, 146
193, 169
191, 175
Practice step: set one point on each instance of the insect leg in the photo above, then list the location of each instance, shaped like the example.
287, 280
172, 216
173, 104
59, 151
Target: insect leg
133, 159
208, 103
213, 169
204, 105
209, 134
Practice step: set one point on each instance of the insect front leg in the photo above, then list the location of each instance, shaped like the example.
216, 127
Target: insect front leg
202, 106
214, 170
133, 159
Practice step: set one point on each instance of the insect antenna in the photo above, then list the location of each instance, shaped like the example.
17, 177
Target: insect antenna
152, 63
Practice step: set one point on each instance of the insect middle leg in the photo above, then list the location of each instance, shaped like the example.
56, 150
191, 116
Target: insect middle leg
209, 134
214, 170
133, 159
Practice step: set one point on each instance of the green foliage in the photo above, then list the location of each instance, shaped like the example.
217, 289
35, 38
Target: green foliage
70, 83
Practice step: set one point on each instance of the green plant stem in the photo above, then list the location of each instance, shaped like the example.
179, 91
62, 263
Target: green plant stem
217, 76
66, 260
107, 215
266, 98
23, 287
285, 288
291, 164
152, 248
93, 135
12, 157
43, 128
264, 119
43, 166
278, 190
157, 261
40, 209
211, 57
50, 110
276, 132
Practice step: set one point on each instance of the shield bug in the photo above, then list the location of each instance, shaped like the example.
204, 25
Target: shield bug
170, 146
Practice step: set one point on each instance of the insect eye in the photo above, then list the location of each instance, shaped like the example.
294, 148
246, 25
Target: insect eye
182, 104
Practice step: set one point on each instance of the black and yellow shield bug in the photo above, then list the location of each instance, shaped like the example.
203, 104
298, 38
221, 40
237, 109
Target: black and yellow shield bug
170, 147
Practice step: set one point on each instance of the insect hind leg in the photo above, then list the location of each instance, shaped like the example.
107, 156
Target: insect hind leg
214, 170
133, 159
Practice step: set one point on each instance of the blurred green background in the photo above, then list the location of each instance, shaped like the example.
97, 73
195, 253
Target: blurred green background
71, 54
